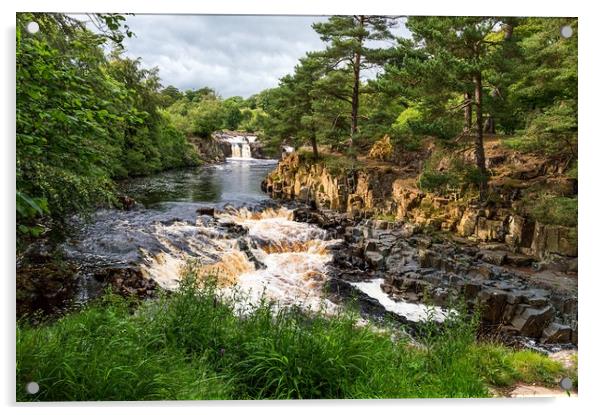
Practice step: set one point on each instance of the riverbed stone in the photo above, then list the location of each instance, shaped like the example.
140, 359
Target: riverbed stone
206, 211
532, 321
554, 239
489, 230
468, 223
375, 260
493, 302
518, 260
493, 257
556, 333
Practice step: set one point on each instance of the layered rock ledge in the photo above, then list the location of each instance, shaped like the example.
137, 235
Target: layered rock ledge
521, 274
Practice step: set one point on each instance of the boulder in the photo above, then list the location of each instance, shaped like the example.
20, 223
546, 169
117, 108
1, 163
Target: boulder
375, 260
493, 257
531, 321
554, 239
468, 223
492, 303
520, 232
207, 211
556, 333
304, 193
371, 245
489, 230
406, 198
518, 260
471, 289
407, 230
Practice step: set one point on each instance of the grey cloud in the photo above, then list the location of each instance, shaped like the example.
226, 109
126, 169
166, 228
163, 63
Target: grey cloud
235, 55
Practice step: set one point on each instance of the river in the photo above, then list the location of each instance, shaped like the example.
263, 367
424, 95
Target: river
212, 221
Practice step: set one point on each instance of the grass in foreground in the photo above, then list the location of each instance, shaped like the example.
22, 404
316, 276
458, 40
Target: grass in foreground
194, 345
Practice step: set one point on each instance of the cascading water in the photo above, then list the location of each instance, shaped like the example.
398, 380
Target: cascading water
246, 151
241, 149
289, 258
236, 153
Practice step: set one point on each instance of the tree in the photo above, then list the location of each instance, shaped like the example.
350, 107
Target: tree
543, 94
348, 51
169, 95
83, 118
294, 114
466, 48
232, 113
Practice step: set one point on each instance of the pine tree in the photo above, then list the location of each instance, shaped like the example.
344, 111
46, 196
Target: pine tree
348, 52
467, 47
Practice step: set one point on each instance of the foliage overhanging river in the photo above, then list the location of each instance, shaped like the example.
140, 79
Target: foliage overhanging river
251, 244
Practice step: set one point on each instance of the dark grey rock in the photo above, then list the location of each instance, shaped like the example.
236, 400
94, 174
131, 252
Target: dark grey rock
556, 333
531, 321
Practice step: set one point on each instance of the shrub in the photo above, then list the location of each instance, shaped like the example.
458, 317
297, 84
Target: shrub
436, 181
554, 210
382, 149
459, 175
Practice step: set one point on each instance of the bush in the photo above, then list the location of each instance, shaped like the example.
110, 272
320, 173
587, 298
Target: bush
459, 175
554, 210
552, 132
436, 181
382, 149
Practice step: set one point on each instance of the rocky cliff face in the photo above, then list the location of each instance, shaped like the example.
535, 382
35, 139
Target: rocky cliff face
521, 273
211, 150
376, 192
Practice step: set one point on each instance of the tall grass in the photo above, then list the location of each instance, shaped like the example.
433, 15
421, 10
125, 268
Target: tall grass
195, 344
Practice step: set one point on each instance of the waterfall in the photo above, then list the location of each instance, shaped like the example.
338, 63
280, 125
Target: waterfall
246, 151
235, 150
241, 151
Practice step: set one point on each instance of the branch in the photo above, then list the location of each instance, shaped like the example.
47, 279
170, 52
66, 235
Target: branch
341, 97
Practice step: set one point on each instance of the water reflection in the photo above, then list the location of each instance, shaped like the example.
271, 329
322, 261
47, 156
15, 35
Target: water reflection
235, 182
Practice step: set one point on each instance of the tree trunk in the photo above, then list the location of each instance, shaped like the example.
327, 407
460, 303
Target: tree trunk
467, 112
478, 138
314, 146
490, 125
355, 97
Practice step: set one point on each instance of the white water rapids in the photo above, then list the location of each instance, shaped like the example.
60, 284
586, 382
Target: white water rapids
259, 253
294, 256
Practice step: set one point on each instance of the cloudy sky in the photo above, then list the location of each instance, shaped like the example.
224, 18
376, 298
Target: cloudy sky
235, 55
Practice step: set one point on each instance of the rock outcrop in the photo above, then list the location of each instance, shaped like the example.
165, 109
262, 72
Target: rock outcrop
520, 274
417, 268
377, 192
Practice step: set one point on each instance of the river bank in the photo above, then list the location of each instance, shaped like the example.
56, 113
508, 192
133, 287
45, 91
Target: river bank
198, 344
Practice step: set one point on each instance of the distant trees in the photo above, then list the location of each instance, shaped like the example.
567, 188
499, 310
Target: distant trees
202, 111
